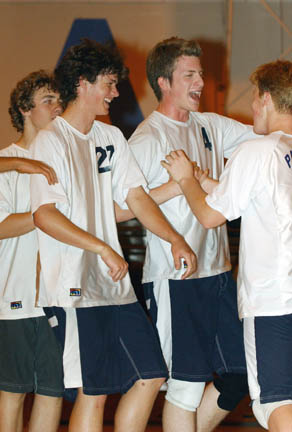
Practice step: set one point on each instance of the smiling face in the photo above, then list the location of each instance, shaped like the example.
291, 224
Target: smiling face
46, 108
184, 91
102, 92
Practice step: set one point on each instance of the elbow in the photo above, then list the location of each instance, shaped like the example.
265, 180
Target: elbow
213, 222
209, 223
38, 219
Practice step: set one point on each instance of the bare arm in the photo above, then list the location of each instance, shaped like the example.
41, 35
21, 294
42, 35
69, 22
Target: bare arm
48, 219
159, 194
149, 214
16, 225
181, 169
28, 166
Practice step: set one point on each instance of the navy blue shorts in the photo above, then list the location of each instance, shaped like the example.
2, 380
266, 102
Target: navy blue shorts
206, 333
268, 341
107, 348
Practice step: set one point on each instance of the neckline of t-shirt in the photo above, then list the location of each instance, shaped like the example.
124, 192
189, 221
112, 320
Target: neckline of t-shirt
180, 123
280, 132
76, 131
18, 147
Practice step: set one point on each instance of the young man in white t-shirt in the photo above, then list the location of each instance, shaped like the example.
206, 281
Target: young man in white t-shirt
257, 185
109, 344
30, 356
197, 319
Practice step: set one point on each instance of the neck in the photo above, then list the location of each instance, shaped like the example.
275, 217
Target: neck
78, 116
27, 136
171, 111
281, 122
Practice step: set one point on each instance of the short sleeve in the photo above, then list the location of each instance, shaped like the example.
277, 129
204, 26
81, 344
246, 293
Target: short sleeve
147, 150
6, 205
126, 173
238, 184
234, 133
45, 149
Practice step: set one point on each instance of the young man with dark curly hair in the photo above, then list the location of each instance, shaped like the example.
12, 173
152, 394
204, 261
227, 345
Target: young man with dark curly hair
257, 185
109, 344
30, 356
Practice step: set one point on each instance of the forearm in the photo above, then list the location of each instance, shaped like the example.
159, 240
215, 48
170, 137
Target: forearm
160, 195
121, 214
16, 225
55, 224
9, 163
195, 197
48, 219
209, 184
149, 214
165, 192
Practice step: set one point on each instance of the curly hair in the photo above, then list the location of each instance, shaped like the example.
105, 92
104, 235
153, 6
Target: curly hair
276, 79
162, 59
87, 60
21, 97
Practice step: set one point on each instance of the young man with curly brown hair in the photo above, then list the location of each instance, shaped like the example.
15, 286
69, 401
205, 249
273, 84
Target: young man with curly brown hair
30, 357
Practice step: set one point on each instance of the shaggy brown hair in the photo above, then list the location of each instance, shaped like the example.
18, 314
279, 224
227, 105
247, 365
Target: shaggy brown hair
21, 98
162, 59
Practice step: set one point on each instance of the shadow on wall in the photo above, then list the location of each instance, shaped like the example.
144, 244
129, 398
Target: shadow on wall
125, 112
216, 77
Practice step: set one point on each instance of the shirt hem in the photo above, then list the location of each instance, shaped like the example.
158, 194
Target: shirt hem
168, 276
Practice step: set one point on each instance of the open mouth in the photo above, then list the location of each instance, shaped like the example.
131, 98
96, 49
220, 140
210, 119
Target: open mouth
195, 95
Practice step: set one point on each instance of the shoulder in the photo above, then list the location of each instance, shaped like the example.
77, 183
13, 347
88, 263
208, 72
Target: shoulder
263, 144
50, 138
253, 152
217, 120
13, 151
152, 129
107, 130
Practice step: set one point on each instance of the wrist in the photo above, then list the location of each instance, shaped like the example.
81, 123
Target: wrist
175, 238
16, 163
102, 248
184, 181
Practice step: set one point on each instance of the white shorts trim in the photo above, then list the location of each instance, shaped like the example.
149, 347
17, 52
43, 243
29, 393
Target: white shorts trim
71, 355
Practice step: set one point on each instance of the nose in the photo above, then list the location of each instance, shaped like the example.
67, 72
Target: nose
200, 80
115, 91
58, 108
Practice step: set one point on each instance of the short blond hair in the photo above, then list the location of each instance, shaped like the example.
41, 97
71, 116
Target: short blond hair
276, 79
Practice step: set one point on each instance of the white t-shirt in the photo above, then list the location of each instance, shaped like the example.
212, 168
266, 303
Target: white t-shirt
207, 139
257, 185
92, 170
18, 255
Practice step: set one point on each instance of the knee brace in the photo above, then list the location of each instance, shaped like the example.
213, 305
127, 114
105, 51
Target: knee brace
262, 411
184, 394
232, 388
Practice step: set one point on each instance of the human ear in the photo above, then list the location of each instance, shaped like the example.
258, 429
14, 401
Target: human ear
163, 83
